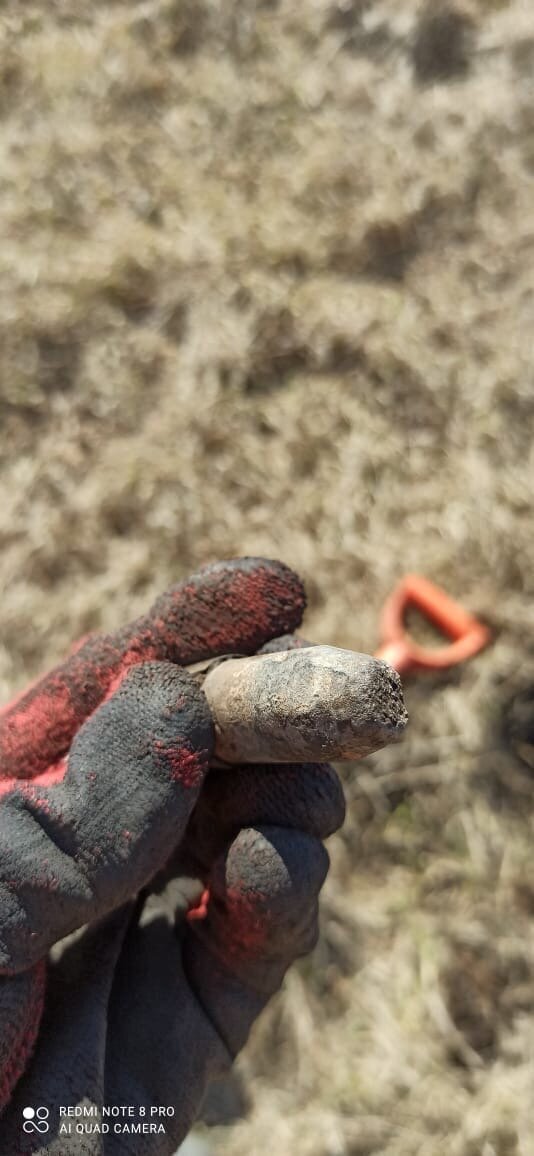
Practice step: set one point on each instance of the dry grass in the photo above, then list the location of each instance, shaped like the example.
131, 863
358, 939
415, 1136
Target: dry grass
266, 287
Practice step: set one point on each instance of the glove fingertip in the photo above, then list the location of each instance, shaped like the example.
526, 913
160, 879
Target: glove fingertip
262, 914
262, 908
227, 607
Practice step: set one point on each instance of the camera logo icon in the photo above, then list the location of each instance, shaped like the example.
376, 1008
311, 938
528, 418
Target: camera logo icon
36, 1120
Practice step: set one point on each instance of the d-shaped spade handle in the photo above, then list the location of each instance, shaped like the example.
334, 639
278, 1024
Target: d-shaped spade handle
467, 634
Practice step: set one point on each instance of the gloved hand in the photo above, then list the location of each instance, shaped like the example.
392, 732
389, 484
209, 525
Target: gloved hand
105, 796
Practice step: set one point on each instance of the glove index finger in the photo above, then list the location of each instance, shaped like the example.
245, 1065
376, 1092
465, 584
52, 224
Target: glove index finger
229, 607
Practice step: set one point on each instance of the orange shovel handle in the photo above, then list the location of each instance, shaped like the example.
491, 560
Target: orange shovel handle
467, 634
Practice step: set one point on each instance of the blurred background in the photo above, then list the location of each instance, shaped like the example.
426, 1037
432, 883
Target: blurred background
267, 287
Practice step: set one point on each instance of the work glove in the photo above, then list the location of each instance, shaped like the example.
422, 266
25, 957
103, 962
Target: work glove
115, 1012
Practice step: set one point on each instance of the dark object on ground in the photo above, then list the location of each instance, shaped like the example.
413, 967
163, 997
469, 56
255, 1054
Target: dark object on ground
442, 43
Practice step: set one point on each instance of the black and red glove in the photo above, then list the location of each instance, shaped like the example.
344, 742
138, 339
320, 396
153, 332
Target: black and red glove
105, 795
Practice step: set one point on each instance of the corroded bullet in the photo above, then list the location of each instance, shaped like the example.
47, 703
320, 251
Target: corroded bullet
305, 705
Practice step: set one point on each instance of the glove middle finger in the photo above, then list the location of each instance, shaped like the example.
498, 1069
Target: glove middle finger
300, 796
